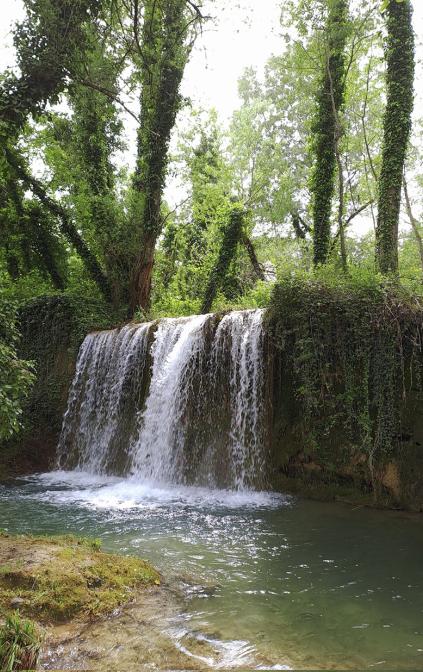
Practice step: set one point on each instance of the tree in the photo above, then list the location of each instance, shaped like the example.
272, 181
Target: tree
231, 238
166, 36
396, 129
97, 53
327, 129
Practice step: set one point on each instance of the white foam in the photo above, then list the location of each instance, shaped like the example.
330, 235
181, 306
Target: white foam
109, 492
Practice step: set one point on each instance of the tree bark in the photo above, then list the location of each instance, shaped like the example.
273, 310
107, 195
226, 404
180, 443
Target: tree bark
143, 274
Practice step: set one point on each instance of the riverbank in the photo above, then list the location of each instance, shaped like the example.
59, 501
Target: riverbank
83, 602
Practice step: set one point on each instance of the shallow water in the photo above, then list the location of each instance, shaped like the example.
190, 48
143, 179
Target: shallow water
270, 581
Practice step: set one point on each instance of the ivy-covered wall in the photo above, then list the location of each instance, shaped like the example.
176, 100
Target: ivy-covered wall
52, 329
347, 392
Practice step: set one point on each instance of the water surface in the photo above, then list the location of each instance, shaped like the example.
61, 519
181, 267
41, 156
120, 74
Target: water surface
270, 581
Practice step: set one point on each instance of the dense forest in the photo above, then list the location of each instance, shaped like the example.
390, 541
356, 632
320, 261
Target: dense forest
321, 149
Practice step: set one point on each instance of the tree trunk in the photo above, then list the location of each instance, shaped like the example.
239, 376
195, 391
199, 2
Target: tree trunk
231, 238
253, 257
143, 273
330, 99
396, 131
166, 54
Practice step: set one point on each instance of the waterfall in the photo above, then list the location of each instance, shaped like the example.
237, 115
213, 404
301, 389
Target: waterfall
159, 449
180, 400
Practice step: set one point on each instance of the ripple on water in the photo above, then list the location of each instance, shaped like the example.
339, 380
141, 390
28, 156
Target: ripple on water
267, 579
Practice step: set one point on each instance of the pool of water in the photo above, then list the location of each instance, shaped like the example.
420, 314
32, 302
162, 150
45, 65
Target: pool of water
296, 584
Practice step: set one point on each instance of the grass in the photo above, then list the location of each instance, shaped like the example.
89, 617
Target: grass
64, 578
20, 644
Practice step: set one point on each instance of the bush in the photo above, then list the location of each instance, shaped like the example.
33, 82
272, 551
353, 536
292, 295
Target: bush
16, 375
353, 348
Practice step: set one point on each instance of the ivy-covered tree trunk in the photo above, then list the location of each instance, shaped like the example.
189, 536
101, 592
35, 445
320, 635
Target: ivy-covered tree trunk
231, 238
396, 130
95, 138
68, 227
165, 54
326, 129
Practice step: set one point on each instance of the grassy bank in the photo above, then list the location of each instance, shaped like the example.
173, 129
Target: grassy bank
55, 579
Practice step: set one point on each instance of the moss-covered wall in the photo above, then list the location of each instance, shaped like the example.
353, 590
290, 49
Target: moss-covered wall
52, 328
347, 392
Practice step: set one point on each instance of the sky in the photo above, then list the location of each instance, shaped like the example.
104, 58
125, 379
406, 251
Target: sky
246, 34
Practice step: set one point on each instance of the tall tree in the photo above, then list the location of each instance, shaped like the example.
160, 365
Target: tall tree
167, 41
327, 128
397, 127
97, 53
231, 239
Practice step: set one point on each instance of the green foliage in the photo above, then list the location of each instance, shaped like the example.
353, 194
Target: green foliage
397, 128
385, 4
20, 644
50, 42
84, 50
353, 347
326, 129
16, 375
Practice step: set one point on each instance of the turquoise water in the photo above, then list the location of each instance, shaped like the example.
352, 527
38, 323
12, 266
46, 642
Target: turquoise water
278, 582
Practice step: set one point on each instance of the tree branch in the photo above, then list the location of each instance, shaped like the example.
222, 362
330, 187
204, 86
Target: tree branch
109, 94
68, 228
248, 244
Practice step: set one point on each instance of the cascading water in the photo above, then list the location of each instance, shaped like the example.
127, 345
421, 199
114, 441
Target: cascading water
177, 401
158, 452
104, 398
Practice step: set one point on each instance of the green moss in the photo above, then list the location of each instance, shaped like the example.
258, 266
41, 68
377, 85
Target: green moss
63, 578
347, 382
